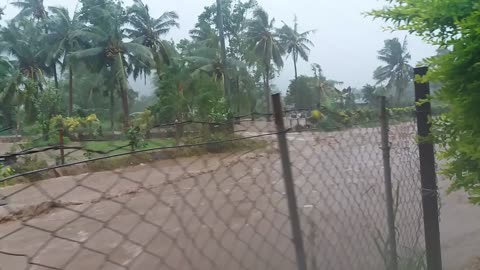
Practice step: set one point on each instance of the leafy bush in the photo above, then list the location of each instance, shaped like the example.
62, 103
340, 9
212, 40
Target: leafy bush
77, 127
48, 104
219, 112
6, 171
366, 117
135, 138
140, 129
144, 122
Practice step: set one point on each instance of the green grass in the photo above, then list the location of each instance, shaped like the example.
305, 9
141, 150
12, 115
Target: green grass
132, 159
106, 146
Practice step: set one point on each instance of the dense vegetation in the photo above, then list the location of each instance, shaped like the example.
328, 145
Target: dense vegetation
454, 26
81, 64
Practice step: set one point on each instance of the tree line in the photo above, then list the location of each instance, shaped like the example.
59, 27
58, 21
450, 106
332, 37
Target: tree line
222, 69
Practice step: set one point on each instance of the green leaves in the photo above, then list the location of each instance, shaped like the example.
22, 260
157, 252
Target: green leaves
295, 43
397, 72
263, 39
454, 24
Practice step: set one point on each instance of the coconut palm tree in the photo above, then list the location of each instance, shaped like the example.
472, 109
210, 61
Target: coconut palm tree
267, 48
22, 40
204, 35
35, 9
296, 44
148, 31
209, 61
64, 37
9, 80
111, 53
397, 72
31, 8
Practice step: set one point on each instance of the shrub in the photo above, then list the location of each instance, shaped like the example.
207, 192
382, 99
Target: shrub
144, 122
6, 171
140, 129
31, 163
219, 112
78, 127
366, 117
135, 138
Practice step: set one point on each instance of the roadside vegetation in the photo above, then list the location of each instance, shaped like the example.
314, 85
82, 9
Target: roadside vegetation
453, 26
71, 70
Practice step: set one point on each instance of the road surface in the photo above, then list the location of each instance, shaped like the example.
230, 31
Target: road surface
229, 211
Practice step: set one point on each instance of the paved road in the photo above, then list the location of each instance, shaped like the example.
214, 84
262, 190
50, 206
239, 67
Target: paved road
229, 211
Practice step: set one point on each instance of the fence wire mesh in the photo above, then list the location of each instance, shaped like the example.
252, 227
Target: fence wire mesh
199, 197
340, 183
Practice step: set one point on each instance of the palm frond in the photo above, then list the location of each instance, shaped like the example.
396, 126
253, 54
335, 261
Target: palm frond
140, 53
82, 54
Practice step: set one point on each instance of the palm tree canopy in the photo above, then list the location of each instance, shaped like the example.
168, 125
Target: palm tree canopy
21, 40
208, 60
263, 39
205, 36
31, 8
397, 72
295, 43
108, 41
148, 29
65, 34
8, 78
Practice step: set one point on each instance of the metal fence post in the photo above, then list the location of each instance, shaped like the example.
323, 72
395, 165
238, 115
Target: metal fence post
387, 170
289, 185
177, 132
428, 174
61, 144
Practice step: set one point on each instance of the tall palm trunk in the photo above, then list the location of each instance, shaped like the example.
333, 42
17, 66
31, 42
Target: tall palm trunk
55, 75
112, 109
126, 113
267, 91
158, 64
296, 95
123, 92
398, 98
70, 90
226, 82
251, 103
238, 95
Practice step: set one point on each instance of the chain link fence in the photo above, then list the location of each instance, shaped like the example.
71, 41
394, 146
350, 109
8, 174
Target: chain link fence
202, 201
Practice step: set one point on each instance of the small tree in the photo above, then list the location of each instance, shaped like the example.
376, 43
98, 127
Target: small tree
48, 104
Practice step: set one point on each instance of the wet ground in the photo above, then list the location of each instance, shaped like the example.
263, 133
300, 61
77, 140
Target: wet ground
229, 211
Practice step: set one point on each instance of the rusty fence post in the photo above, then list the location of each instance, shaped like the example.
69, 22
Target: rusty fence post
289, 184
427, 173
387, 173
61, 144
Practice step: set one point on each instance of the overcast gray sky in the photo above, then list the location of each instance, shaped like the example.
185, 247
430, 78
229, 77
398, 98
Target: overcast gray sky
346, 42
